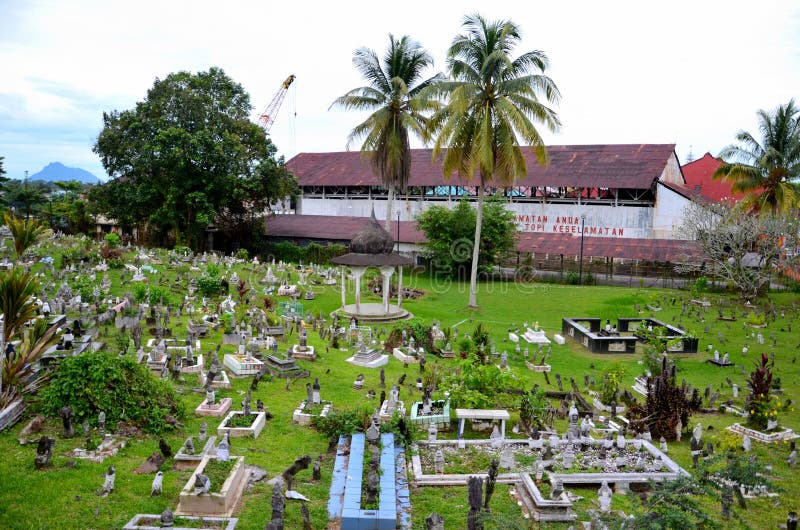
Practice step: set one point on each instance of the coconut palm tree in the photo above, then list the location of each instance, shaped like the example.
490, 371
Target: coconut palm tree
767, 170
393, 96
26, 232
493, 102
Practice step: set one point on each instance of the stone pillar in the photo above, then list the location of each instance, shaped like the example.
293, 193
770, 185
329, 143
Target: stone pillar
344, 286
400, 288
358, 272
386, 272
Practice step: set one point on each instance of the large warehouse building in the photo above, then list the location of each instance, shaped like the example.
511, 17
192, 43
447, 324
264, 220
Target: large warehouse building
629, 199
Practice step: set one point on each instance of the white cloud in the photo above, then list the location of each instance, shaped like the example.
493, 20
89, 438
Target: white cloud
693, 73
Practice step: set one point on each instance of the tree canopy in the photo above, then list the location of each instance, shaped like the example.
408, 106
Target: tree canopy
493, 102
394, 96
449, 235
186, 157
768, 169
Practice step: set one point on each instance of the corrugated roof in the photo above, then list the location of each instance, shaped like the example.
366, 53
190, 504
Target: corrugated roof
699, 173
606, 166
334, 228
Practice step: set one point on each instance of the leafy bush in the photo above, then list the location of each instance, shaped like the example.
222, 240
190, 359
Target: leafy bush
610, 386
755, 319
337, 423
209, 285
139, 291
158, 295
112, 240
242, 254
701, 284
572, 278
180, 249
124, 390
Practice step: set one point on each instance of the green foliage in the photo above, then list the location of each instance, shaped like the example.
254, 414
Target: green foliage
17, 289
124, 390
217, 472
242, 254
181, 249
532, 409
700, 285
609, 389
338, 422
449, 235
477, 385
766, 169
159, 295
755, 319
209, 285
112, 240
25, 233
139, 290
571, 278
186, 156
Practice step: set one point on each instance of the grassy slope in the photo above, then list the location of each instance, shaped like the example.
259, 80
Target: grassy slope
64, 497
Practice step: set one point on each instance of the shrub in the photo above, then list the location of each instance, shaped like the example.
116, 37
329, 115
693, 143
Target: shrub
139, 291
112, 240
180, 249
209, 285
572, 278
338, 423
124, 390
242, 254
158, 295
701, 284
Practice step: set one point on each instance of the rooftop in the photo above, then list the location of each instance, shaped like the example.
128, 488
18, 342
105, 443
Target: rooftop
607, 166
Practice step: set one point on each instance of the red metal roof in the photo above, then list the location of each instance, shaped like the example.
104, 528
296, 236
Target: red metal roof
700, 172
334, 228
612, 166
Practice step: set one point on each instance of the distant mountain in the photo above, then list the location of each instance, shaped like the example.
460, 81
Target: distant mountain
55, 171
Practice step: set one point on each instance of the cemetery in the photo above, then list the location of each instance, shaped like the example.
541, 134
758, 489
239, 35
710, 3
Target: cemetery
163, 400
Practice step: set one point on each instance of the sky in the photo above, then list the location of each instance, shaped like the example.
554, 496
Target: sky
692, 73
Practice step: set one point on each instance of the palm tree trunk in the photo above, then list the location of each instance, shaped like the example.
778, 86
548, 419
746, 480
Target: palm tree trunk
473, 278
389, 204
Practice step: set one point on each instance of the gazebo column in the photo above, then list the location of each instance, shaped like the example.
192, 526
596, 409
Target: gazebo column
344, 286
358, 272
386, 272
400, 287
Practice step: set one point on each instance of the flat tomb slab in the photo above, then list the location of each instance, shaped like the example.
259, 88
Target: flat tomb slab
218, 409
482, 414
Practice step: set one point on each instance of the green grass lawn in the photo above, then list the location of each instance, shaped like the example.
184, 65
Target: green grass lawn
63, 495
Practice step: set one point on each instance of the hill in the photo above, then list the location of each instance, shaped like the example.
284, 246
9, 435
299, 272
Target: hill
56, 171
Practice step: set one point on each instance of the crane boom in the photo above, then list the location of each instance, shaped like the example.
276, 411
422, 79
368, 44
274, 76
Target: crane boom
267, 116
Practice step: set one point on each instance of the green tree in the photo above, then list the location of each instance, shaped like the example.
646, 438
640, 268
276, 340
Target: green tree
25, 232
449, 232
493, 101
394, 96
188, 156
767, 170
17, 290
3, 180
26, 195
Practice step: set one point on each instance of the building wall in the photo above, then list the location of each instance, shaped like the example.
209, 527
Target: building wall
668, 213
601, 220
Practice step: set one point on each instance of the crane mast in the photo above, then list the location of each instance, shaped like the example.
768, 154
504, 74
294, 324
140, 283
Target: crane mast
267, 116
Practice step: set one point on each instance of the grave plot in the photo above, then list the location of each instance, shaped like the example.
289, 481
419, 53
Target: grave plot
622, 338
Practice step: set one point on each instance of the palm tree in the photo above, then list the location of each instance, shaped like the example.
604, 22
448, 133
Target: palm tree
17, 291
393, 96
19, 373
492, 102
26, 232
767, 171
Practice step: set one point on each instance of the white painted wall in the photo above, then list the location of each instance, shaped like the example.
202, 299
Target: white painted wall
668, 213
601, 220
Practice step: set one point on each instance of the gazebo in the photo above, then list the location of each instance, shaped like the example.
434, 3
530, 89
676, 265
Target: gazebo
372, 247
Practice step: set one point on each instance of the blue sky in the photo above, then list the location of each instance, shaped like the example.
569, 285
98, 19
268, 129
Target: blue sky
690, 73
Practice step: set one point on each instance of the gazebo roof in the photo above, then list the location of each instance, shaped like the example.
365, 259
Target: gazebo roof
372, 247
